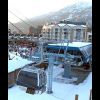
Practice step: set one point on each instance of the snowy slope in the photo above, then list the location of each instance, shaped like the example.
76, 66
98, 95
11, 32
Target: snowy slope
61, 91
16, 62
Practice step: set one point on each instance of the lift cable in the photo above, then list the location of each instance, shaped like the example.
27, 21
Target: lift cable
25, 17
19, 18
15, 26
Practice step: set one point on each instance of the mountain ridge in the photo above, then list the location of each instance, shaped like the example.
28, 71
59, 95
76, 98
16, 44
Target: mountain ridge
75, 12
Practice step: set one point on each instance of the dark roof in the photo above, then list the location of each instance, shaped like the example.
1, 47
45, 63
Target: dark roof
73, 22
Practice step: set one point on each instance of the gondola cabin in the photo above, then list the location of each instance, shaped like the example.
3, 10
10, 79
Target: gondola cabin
31, 77
15, 63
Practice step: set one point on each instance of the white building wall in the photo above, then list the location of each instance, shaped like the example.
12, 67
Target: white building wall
71, 31
81, 34
74, 35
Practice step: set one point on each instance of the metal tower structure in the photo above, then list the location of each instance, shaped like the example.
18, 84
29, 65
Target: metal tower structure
51, 57
50, 75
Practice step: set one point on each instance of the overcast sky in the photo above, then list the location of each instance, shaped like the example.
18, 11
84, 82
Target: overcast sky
33, 8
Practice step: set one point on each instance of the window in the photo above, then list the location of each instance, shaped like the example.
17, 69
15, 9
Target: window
83, 33
56, 29
48, 33
78, 34
56, 34
90, 38
48, 29
66, 35
65, 29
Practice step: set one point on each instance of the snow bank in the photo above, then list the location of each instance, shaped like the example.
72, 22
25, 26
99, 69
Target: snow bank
61, 91
16, 62
68, 91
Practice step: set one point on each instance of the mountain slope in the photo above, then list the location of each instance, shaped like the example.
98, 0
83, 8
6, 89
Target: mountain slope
80, 12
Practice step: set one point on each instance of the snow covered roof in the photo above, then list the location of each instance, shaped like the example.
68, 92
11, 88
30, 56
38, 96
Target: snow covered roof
83, 25
73, 44
23, 48
52, 25
62, 24
35, 57
14, 53
71, 25
32, 69
16, 62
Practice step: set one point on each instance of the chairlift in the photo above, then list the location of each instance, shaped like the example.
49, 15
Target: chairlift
77, 61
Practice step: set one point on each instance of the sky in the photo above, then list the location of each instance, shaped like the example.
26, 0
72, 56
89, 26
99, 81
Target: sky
33, 8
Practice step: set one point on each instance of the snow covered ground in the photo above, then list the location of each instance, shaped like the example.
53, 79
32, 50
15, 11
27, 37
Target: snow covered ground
16, 62
61, 91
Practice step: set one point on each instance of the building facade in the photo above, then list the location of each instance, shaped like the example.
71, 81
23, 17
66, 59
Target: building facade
64, 31
89, 36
